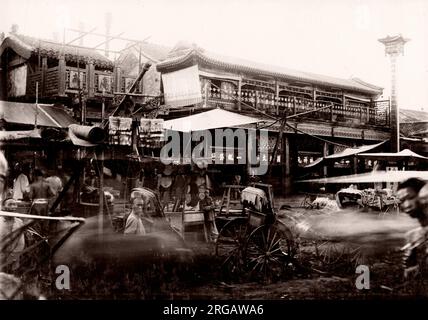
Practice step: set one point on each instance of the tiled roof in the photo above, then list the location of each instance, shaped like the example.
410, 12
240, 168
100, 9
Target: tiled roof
238, 64
413, 116
25, 113
27, 46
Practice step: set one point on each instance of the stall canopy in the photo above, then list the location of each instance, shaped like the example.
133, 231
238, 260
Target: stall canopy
216, 118
346, 153
25, 113
373, 177
405, 154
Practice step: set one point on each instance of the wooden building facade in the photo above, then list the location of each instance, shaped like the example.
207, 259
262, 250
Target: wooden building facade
349, 113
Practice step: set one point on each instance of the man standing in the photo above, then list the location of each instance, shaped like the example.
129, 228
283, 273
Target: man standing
207, 206
40, 192
20, 183
134, 223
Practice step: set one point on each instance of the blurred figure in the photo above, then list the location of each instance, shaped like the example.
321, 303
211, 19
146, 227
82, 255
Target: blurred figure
20, 183
55, 184
11, 233
3, 174
423, 205
407, 193
413, 194
134, 223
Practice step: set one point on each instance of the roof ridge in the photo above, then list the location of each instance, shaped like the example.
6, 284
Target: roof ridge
57, 43
270, 69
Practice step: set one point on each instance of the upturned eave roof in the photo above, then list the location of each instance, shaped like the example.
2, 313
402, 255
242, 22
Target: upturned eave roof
236, 64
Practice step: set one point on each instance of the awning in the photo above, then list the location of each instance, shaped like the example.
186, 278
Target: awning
314, 163
182, 88
216, 118
346, 153
19, 134
393, 156
25, 113
356, 98
373, 177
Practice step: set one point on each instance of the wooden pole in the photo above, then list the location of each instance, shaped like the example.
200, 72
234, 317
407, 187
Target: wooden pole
101, 180
37, 104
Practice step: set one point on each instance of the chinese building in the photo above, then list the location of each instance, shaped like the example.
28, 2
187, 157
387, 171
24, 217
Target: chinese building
348, 112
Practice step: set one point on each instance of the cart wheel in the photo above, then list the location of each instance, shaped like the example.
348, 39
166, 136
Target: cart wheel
329, 252
229, 245
268, 252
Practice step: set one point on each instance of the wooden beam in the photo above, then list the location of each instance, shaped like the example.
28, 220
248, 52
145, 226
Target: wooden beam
135, 94
62, 73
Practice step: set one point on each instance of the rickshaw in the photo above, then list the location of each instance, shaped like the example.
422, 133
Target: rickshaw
154, 218
255, 243
379, 200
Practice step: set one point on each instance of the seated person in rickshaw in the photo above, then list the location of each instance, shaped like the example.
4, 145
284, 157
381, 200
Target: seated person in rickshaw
413, 196
206, 205
134, 222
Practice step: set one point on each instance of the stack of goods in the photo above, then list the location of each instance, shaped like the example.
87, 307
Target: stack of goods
151, 133
120, 131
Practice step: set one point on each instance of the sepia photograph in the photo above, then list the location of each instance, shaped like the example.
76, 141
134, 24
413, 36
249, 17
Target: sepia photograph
235, 152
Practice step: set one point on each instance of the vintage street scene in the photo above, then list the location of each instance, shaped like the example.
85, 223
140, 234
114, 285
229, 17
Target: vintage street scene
224, 150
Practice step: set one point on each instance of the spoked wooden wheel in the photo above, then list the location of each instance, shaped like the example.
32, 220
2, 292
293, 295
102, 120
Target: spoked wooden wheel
268, 251
329, 252
230, 244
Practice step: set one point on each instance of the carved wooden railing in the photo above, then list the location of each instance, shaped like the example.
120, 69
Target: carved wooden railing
353, 112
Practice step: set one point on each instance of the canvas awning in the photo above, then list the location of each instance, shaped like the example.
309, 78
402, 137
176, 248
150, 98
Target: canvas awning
25, 113
393, 156
345, 153
373, 177
216, 118
182, 88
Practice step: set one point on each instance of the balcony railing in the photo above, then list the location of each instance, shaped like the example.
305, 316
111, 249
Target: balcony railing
351, 112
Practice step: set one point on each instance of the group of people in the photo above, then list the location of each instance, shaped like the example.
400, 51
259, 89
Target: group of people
41, 192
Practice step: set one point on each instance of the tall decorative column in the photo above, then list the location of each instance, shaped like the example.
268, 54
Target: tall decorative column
394, 46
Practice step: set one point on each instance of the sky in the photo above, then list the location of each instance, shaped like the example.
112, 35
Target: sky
331, 37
